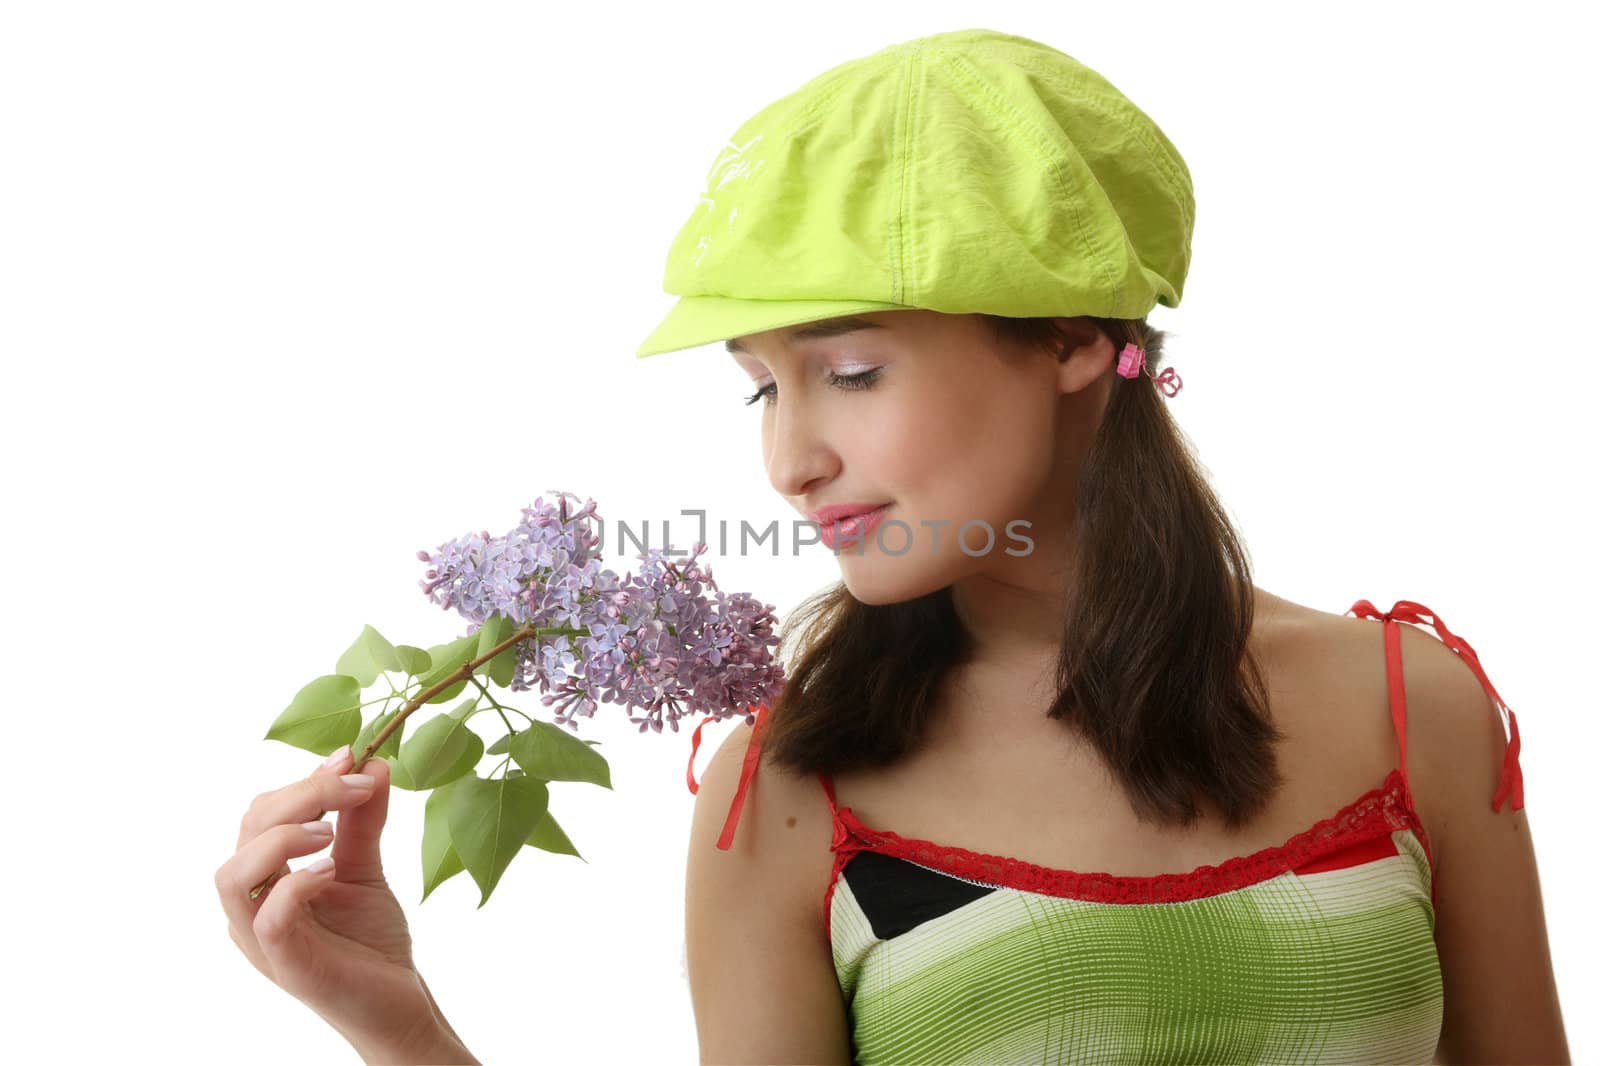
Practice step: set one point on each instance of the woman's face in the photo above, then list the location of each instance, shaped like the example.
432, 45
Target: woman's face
931, 417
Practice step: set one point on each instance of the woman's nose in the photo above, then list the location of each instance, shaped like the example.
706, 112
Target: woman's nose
797, 450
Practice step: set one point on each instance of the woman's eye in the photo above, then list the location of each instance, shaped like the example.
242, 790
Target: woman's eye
863, 380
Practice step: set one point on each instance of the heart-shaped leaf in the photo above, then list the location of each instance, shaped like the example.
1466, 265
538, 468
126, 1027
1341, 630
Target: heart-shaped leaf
439, 859
550, 753
549, 836
491, 820
323, 716
503, 667
413, 661
442, 750
368, 657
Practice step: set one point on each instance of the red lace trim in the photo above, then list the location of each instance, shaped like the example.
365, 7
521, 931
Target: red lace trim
1376, 812
1403, 611
1382, 810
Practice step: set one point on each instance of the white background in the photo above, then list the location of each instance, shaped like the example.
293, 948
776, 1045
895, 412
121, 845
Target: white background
290, 291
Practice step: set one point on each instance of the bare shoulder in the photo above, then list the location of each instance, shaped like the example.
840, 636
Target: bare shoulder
1455, 735
1328, 676
1336, 664
784, 826
1455, 739
761, 974
1500, 1001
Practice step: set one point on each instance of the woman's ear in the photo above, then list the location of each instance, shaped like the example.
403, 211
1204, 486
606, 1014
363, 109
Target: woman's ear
1085, 355
1077, 333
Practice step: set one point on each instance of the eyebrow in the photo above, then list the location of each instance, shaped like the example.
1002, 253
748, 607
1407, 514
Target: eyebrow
832, 327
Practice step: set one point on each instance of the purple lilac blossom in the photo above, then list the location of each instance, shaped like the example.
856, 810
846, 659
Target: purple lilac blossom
655, 642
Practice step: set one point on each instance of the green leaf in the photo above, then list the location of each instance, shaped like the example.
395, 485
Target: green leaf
548, 835
399, 776
550, 753
323, 716
491, 820
445, 659
503, 667
391, 743
368, 657
442, 750
439, 859
413, 661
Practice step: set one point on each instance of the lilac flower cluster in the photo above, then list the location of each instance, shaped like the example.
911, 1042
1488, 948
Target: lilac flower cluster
666, 641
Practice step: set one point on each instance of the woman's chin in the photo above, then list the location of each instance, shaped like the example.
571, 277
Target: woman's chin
876, 579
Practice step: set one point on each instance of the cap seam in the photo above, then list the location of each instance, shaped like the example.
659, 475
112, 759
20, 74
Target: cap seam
1159, 152
796, 127
903, 282
1035, 141
1029, 62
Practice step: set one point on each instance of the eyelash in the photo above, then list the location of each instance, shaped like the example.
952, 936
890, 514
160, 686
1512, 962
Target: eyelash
864, 380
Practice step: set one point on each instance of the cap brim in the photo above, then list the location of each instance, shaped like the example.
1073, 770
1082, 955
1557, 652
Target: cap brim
697, 320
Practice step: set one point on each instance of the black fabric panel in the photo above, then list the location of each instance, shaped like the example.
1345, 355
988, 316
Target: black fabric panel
898, 896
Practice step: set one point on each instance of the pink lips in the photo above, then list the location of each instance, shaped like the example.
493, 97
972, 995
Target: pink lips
838, 512
855, 521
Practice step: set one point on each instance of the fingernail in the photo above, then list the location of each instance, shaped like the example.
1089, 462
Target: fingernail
318, 827
336, 758
322, 865
358, 780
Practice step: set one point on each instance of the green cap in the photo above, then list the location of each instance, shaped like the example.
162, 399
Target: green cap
965, 172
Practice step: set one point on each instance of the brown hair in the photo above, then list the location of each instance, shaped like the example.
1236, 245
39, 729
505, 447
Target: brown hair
1154, 668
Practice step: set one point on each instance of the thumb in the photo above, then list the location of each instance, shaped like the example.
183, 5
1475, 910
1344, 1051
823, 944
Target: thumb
356, 852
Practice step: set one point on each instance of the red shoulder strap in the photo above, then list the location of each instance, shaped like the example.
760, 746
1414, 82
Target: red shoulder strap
1394, 673
752, 758
1417, 614
833, 800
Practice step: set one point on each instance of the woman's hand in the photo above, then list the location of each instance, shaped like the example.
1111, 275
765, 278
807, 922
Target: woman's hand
332, 934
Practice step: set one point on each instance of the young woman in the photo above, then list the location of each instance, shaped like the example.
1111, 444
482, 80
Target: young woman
1068, 805
1051, 779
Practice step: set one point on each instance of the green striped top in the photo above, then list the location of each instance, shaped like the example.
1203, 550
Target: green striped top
1317, 950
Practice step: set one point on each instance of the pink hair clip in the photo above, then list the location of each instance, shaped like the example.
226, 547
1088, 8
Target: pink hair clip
1131, 362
